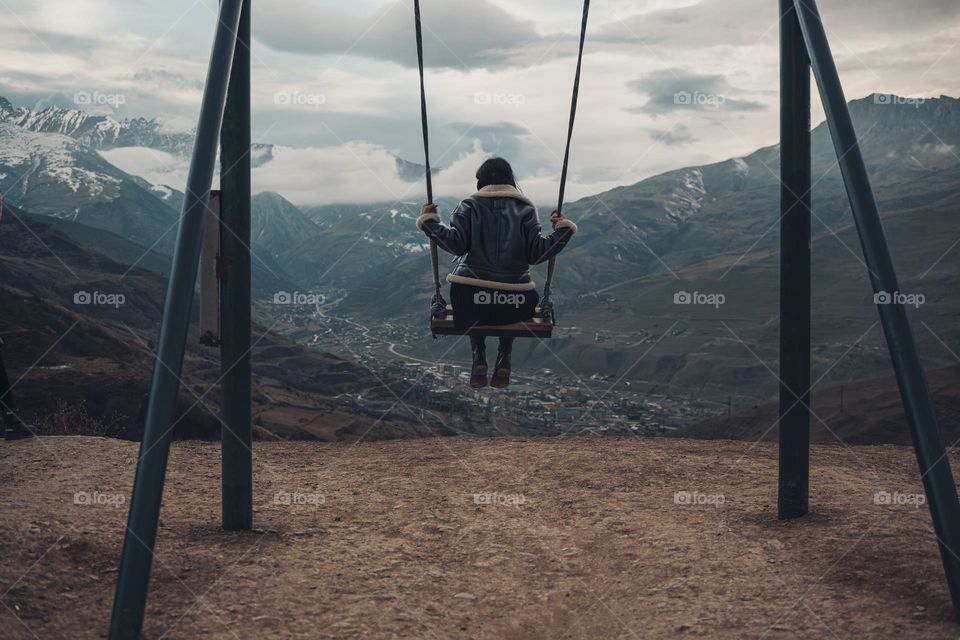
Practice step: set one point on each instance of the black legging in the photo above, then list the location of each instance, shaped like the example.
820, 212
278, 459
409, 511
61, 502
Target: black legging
506, 344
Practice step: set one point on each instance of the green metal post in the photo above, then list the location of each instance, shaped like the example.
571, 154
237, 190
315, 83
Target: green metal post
794, 424
937, 476
236, 431
134, 576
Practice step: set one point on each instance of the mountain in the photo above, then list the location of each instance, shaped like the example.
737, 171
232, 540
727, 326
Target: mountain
412, 171
55, 175
714, 228
7, 110
682, 217
98, 131
732, 349
713, 224
79, 331
357, 244
49, 164
121, 215
277, 224
267, 275
103, 132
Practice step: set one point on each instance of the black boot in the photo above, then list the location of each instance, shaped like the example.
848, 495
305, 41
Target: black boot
478, 372
501, 371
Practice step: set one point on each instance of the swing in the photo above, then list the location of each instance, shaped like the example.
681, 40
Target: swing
441, 314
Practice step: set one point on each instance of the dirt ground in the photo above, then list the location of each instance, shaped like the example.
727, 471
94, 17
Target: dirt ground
478, 538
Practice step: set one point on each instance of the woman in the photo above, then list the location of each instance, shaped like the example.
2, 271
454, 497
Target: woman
497, 236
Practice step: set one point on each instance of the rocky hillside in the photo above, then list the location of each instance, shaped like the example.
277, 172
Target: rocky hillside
80, 331
277, 225
863, 412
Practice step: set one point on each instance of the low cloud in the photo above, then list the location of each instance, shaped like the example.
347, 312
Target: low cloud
746, 23
671, 90
679, 135
154, 166
163, 77
502, 139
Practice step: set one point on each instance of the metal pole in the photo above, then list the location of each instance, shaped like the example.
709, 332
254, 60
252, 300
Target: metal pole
236, 438
794, 423
934, 466
134, 575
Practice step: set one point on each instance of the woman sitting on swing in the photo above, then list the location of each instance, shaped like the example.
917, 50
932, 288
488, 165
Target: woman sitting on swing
496, 234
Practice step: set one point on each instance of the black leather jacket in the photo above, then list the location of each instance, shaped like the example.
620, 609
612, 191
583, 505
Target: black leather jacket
497, 235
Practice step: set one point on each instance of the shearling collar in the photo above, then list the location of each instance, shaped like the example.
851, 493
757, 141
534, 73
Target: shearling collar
502, 191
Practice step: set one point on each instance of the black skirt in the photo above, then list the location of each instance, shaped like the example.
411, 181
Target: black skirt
479, 305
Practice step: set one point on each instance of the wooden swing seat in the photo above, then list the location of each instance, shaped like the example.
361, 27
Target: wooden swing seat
536, 327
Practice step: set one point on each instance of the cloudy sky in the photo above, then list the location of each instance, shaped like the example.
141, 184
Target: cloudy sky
335, 82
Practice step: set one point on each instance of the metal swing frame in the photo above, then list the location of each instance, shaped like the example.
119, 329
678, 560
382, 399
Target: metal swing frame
225, 118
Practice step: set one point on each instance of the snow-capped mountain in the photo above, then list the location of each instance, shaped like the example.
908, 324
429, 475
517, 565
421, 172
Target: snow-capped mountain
98, 131
51, 164
56, 175
6, 109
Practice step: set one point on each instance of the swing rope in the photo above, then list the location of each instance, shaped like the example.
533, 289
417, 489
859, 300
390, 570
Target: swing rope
438, 306
546, 306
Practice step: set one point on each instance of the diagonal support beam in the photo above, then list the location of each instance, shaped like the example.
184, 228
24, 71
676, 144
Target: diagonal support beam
937, 477
134, 577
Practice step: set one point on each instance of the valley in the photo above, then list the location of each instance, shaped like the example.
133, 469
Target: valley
630, 356
540, 401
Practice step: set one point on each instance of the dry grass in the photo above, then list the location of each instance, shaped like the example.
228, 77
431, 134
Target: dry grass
574, 538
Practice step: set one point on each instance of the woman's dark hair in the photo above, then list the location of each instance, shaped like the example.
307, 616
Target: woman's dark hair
495, 171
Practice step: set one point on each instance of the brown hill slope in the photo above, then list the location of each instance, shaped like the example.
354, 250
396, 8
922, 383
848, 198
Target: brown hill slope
732, 349
89, 364
582, 538
869, 412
